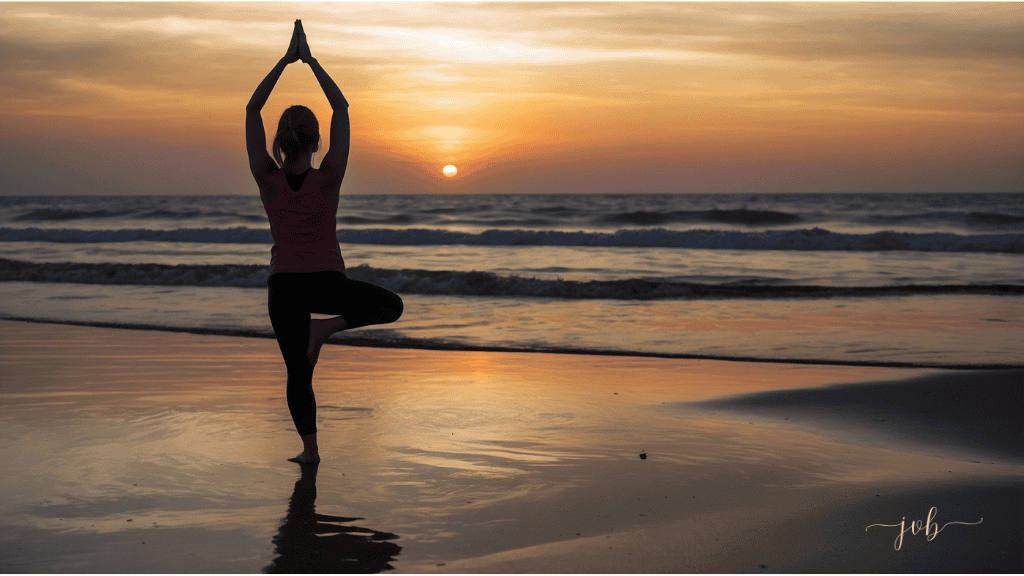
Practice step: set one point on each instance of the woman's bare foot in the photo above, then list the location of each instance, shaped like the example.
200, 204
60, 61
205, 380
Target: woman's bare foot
319, 332
310, 452
317, 336
304, 458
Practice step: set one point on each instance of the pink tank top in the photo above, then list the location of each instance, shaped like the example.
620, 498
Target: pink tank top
304, 226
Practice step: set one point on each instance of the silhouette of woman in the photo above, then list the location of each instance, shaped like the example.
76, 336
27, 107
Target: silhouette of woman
307, 272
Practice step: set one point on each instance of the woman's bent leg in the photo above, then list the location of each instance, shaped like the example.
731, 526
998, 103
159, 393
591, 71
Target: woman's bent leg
361, 303
355, 304
319, 332
366, 304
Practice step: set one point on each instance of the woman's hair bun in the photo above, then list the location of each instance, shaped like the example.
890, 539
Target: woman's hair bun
297, 132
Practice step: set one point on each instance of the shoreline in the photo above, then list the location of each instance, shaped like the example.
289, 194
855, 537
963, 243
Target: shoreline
146, 451
409, 344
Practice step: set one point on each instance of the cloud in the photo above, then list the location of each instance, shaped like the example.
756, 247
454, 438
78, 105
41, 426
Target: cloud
549, 81
993, 33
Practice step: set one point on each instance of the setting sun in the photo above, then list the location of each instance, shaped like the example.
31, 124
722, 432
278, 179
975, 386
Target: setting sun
450, 170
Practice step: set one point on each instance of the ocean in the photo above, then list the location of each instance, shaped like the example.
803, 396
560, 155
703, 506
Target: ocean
867, 279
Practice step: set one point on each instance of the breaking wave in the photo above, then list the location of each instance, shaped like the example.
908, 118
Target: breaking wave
804, 239
431, 282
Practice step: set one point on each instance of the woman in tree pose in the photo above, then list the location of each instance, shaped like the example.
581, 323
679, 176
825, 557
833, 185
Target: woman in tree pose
307, 272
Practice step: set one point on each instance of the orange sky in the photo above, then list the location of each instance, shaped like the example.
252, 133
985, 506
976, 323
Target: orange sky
524, 97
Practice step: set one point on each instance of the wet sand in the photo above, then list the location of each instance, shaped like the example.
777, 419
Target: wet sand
135, 451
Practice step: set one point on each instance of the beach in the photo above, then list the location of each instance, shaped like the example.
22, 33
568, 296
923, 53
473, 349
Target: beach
612, 288
152, 451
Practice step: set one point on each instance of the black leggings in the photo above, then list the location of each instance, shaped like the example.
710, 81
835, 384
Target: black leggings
292, 298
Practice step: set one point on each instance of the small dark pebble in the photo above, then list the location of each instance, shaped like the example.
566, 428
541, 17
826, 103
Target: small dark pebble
129, 520
643, 456
441, 564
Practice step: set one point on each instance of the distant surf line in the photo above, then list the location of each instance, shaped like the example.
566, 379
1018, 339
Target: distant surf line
413, 344
814, 239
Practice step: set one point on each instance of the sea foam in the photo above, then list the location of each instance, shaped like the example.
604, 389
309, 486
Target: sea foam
804, 239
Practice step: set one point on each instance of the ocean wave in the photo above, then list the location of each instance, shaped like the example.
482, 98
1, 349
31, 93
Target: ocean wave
59, 215
397, 219
994, 218
237, 235
741, 216
555, 210
472, 283
193, 214
981, 220
815, 239
503, 222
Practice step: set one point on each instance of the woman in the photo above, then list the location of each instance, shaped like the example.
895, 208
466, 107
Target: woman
307, 272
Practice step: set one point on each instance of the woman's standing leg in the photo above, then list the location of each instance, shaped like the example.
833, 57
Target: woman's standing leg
291, 319
292, 297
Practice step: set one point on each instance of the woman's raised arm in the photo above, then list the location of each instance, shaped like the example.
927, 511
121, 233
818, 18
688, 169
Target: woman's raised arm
336, 159
260, 162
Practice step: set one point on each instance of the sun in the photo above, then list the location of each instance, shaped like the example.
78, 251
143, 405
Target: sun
450, 170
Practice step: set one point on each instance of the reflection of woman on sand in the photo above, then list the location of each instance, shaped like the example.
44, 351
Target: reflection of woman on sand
308, 542
307, 273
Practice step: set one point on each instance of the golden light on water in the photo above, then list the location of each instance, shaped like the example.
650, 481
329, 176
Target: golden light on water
450, 170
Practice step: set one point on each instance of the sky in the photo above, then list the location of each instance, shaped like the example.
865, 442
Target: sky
533, 97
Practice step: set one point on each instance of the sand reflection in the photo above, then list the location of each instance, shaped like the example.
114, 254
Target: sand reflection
308, 542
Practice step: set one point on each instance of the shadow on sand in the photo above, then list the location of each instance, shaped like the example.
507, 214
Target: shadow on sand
308, 542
